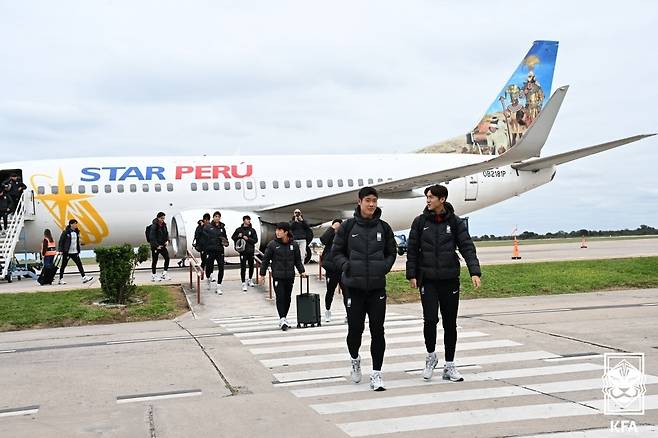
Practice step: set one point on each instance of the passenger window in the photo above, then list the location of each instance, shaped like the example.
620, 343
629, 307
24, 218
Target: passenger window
170, 187
360, 181
133, 188
275, 184
145, 187
120, 188
94, 189
158, 187
41, 190
370, 181
350, 182
340, 183
263, 185
215, 186
330, 183
238, 185
227, 186
68, 190
250, 185
108, 188
193, 186
309, 183
380, 180
286, 184
319, 183
298, 184
54, 190
205, 186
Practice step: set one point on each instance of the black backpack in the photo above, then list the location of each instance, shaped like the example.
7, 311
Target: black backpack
148, 233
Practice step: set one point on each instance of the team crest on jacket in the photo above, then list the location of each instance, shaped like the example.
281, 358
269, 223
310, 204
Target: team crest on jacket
448, 229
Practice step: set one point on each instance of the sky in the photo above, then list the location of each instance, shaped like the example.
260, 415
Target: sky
122, 78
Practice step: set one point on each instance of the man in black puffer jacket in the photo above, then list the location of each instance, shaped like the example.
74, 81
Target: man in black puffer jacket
247, 233
332, 274
159, 239
215, 239
364, 250
283, 253
433, 266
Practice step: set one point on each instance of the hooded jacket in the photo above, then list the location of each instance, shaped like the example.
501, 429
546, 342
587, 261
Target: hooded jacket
364, 250
327, 240
159, 235
433, 240
214, 237
65, 240
284, 257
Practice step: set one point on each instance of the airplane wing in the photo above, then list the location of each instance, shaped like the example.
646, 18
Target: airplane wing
554, 160
327, 207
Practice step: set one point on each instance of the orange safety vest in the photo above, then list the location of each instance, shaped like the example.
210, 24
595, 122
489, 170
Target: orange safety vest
51, 249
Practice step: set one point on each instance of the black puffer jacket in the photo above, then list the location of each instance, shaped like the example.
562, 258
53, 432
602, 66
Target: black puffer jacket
367, 254
300, 229
64, 243
214, 237
284, 257
252, 238
159, 235
199, 238
327, 240
433, 240
5, 202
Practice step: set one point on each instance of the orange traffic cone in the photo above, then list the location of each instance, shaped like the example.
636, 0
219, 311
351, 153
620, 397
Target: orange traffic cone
515, 251
583, 242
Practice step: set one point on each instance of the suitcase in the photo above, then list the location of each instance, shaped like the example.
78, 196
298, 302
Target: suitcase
308, 307
48, 273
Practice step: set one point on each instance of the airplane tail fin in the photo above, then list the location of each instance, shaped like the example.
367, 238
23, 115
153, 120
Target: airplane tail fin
514, 109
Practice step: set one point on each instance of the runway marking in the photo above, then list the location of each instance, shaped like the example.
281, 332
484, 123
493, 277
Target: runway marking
469, 377
482, 416
310, 382
574, 357
341, 344
521, 312
7, 351
304, 360
415, 365
340, 334
12, 412
158, 396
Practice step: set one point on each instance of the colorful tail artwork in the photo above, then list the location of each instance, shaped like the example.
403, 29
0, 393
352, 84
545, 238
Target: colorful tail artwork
513, 110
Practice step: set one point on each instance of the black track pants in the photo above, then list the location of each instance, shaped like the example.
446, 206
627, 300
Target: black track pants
443, 295
359, 304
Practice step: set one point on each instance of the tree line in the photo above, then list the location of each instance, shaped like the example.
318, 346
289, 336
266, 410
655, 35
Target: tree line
642, 230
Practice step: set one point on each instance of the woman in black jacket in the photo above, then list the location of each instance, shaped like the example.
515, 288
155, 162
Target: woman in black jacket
332, 273
284, 255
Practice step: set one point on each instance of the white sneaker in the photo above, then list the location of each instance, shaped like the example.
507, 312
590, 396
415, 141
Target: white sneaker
377, 381
356, 370
244, 287
61, 281
219, 291
165, 276
283, 324
430, 363
251, 283
327, 315
451, 373
86, 279
155, 277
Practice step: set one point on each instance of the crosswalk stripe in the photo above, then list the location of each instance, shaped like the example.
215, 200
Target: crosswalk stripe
482, 416
394, 352
324, 336
470, 377
570, 358
404, 366
274, 318
457, 396
323, 329
331, 345
274, 323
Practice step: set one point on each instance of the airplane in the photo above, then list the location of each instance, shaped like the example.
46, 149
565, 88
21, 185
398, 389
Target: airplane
115, 198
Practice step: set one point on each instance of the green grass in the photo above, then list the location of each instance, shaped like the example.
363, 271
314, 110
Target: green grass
544, 278
487, 243
72, 308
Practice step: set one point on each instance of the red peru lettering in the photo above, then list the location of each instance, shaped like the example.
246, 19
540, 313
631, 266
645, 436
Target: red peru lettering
220, 170
249, 171
202, 172
182, 170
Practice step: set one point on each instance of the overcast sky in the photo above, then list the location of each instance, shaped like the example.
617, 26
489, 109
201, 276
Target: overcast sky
261, 77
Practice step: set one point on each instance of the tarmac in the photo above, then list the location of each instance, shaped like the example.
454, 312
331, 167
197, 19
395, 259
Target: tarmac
532, 366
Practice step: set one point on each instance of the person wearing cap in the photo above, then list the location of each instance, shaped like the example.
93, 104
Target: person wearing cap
69, 247
433, 267
284, 256
247, 233
364, 250
300, 231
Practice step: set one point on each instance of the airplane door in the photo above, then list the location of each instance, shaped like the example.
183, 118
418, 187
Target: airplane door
471, 193
249, 190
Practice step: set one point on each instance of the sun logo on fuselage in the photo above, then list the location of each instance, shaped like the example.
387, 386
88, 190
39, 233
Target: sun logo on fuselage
63, 205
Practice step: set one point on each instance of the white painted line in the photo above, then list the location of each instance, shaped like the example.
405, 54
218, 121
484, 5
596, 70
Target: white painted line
311, 382
252, 319
137, 341
472, 377
265, 325
340, 326
29, 410
7, 351
392, 352
332, 345
405, 366
461, 395
523, 312
643, 431
283, 338
570, 358
650, 304
482, 416
158, 397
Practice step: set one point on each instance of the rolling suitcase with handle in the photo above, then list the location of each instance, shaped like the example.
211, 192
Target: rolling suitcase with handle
308, 306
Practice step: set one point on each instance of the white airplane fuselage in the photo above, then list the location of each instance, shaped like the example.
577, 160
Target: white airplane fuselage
114, 198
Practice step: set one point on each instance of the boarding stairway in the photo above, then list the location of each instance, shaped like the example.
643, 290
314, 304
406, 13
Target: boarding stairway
10, 237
